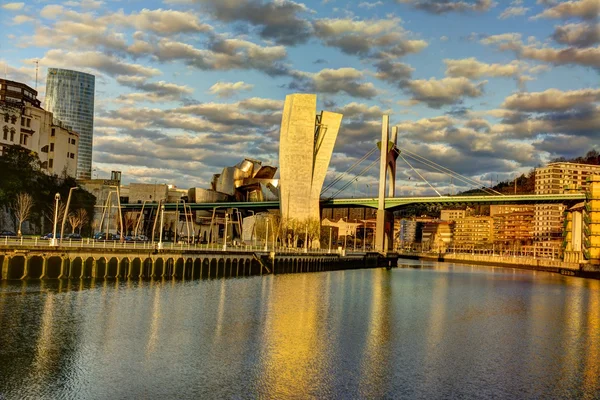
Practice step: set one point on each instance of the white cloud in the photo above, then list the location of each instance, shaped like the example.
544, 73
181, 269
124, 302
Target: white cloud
513, 12
229, 89
13, 6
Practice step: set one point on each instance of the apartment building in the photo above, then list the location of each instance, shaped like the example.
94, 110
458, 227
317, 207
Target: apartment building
557, 178
473, 231
437, 236
513, 223
23, 122
452, 215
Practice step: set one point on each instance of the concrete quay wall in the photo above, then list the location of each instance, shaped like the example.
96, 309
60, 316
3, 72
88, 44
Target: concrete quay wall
538, 264
81, 263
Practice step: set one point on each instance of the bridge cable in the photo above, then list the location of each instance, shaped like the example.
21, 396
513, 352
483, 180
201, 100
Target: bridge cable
341, 176
365, 170
465, 179
457, 176
421, 176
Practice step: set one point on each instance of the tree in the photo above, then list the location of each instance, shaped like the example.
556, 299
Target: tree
50, 212
83, 217
22, 208
130, 220
78, 219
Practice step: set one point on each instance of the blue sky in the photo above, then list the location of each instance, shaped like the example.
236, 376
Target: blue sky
186, 87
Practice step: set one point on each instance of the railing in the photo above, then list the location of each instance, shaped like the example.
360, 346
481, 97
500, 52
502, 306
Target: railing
148, 245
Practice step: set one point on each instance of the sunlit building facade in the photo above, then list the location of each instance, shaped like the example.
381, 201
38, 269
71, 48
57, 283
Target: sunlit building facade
70, 97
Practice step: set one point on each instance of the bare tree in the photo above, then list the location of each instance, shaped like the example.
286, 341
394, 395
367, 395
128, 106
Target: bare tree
73, 221
129, 220
83, 216
22, 208
50, 212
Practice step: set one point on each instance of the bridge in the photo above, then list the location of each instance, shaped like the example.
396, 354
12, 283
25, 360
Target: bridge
391, 203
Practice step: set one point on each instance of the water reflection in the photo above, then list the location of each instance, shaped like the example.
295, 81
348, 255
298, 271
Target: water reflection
440, 331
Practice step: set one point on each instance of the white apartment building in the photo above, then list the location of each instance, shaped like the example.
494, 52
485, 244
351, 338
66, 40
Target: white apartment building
557, 178
23, 122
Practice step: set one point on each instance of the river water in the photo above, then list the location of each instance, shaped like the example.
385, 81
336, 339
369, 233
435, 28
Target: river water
425, 330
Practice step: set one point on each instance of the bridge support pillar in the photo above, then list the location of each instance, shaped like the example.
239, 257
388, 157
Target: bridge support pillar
25, 267
387, 169
44, 267
5, 264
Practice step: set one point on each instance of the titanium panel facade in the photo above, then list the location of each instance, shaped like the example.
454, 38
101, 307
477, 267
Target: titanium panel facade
70, 97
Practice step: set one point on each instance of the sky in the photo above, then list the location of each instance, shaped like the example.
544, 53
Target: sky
488, 89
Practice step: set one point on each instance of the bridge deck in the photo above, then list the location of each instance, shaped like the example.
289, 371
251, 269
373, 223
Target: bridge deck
391, 203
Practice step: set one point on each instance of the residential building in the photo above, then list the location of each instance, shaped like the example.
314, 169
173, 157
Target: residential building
513, 223
557, 178
452, 215
23, 122
437, 236
70, 97
473, 231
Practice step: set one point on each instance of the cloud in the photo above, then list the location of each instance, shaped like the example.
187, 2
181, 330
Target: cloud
393, 72
551, 100
360, 111
473, 69
589, 57
513, 12
96, 60
153, 91
13, 6
375, 37
578, 35
586, 9
503, 37
366, 4
21, 19
221, 54
161, 22
446, 91
334, 81
229, 89
280, 20
446, 6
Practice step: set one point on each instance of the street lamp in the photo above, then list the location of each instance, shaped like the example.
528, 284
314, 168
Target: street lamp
267, 235
160, 235
53, 241
62, 226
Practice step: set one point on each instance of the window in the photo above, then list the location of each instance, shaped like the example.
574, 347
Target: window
72, 155
50, 163
12, 134
5, 129
51, 146
28, 123
53, 132
44, 149
22, 121
13, 119
6, 117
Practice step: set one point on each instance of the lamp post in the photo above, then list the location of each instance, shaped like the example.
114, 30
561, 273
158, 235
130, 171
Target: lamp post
253, 227
267, 235
225, 233
53, 241
62, 226
330, 230
160, 234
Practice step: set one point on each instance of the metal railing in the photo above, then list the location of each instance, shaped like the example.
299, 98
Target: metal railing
24, 242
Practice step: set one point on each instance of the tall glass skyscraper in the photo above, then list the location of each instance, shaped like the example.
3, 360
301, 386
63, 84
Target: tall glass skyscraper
70, 97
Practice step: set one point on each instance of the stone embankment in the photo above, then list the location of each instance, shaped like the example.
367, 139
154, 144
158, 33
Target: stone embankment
538, 264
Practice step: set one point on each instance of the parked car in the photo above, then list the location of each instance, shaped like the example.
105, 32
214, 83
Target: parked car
141, 238
50, 236
7, 234
73, 236
103, 236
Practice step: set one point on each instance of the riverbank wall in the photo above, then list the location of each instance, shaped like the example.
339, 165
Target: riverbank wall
538, 264
110, 263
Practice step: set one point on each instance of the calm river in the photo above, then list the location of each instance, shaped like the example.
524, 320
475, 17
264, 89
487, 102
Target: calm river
437, 331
